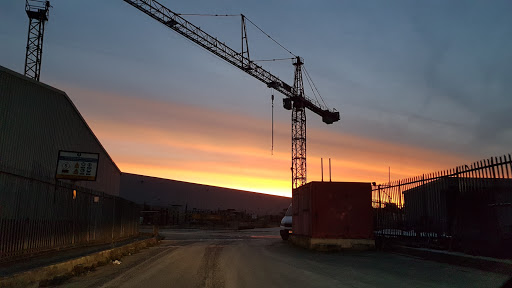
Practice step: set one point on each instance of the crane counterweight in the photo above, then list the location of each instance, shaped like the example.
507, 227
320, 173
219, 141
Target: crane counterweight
330, 117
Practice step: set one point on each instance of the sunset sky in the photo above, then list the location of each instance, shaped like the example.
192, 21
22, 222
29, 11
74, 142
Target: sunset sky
420, 86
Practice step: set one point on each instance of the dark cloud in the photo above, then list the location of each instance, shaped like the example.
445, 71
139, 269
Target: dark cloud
467, 60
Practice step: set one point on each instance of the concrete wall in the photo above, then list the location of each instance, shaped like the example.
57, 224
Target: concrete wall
163, 192
36, 121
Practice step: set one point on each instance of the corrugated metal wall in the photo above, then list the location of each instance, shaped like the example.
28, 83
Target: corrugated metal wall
37, 216
36, 121
37, 213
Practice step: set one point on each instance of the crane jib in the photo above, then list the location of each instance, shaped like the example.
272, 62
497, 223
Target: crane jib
177, 23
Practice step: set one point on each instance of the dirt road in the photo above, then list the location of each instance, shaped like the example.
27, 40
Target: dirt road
258, 258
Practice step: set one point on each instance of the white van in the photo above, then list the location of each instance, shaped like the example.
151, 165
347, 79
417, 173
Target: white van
286, 224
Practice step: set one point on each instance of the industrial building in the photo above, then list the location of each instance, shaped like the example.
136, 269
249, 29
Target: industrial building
167, 193
37, 121
39, 213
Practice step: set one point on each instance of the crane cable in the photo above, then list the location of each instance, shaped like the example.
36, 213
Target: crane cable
230, 15
270, 37
275, 59
272, 97
318, 92
196, 14
311, 86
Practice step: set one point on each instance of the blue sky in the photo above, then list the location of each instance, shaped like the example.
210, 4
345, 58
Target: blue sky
427, 74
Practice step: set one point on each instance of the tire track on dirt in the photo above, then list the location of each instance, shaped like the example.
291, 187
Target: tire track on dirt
209, 272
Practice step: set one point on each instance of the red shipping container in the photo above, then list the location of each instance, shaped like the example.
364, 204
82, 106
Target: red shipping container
333, 210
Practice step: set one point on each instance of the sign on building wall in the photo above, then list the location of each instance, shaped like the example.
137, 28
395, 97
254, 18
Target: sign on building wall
77, 165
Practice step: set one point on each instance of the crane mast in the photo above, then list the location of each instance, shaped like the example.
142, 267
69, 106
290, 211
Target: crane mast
298, 130
294, 100
37, 12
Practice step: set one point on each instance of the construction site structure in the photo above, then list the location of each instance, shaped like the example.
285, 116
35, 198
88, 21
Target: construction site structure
37, 12
295, 99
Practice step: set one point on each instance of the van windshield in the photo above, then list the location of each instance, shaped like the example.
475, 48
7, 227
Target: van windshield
289, 211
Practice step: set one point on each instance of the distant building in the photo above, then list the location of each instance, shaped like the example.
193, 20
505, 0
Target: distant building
166, 193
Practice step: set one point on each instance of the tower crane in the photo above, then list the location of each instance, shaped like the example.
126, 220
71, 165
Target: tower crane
295, 99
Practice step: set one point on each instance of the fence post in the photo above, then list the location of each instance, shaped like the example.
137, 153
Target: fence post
73, 214
113, 219
424, 205
493, 168
379, 215
401, 210
460, 186
379, 197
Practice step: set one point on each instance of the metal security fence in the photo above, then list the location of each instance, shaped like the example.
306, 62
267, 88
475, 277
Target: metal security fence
467, 208
37, 215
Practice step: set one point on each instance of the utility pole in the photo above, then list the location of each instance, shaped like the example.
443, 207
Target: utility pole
37, 12
330, 179
322, 168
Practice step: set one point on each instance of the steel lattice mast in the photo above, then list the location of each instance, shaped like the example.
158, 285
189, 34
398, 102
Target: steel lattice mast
37, 12
294, 100
298, 129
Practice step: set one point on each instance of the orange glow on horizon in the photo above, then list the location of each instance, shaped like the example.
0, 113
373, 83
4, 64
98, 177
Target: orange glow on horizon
240, 182
168, 140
